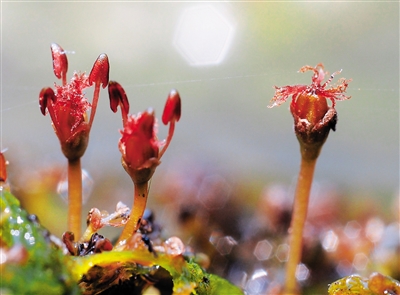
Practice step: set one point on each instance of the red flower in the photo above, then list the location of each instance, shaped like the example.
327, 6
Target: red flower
313, 118
67, 104
139, 146
315, 90
67, 107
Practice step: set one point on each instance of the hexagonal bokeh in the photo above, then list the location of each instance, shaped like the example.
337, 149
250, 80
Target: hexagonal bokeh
203, 35
263, 250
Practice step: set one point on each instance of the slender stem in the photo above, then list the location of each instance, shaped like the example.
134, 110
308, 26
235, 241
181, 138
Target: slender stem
299, 215
87, 234
74, 196
124, 114
139, 205
94, 103
169, 137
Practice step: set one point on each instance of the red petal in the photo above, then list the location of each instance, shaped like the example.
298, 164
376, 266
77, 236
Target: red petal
146, 124
172, 109
44, 95
100, 71
60, 61
117, 96
3, 170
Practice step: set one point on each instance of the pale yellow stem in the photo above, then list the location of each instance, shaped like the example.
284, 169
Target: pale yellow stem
139, 205
74, 196
299, 216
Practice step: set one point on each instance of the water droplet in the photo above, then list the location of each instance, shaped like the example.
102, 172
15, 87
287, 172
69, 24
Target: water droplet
14, 232
87, 187
19, 220
174, 246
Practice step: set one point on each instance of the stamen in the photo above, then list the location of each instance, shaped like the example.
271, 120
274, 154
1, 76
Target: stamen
117, 97
99, 75
60, 62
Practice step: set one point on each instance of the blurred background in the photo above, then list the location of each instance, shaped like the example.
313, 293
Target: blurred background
224, 59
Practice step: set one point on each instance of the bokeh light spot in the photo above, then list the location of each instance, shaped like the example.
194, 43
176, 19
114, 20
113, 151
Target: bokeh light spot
282, 252
330, 241
360, 261
214, 192
224, 245
87, 187
302, 272
203, 35
263, 250
258, 283
352, 229
374, 229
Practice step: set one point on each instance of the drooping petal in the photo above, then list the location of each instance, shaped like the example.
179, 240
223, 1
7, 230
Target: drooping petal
117, 97
45, 94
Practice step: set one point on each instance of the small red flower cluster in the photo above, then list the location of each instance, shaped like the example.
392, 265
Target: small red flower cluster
139, 145
313, 118
67, 105
315, 89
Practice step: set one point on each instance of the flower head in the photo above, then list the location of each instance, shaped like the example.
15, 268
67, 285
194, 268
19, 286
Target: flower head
67, 104
315, 89
313, 117
67, 107
139, 146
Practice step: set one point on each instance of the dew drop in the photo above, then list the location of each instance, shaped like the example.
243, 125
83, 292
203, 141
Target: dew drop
174, 246
87, 187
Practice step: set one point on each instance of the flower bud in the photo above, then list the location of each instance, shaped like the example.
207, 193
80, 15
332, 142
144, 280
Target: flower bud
139, 147
313, 118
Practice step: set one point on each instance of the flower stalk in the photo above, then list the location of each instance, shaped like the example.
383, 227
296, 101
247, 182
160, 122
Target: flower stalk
141, 191
74, 195
140, 149
299, 216
313, 120
68, 106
